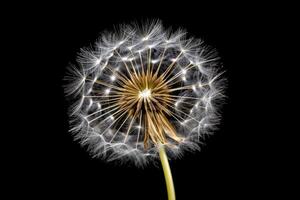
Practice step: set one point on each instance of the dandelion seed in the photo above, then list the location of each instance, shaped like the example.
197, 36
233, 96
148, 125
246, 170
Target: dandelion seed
194, 88
112, 78
97, 62
107, 91
145, 38
124, 58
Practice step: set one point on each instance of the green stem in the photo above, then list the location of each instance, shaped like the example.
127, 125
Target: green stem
167, 173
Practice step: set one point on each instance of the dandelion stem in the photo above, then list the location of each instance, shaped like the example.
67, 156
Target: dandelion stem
167, 173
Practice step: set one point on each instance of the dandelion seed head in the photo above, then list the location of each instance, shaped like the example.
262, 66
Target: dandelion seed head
142, 87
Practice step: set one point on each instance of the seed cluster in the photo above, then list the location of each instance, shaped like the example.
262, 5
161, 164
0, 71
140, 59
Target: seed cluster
140, 89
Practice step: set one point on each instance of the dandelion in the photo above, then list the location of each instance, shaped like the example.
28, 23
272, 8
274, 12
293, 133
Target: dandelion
143, 91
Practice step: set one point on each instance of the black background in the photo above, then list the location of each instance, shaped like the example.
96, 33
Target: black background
235, 162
